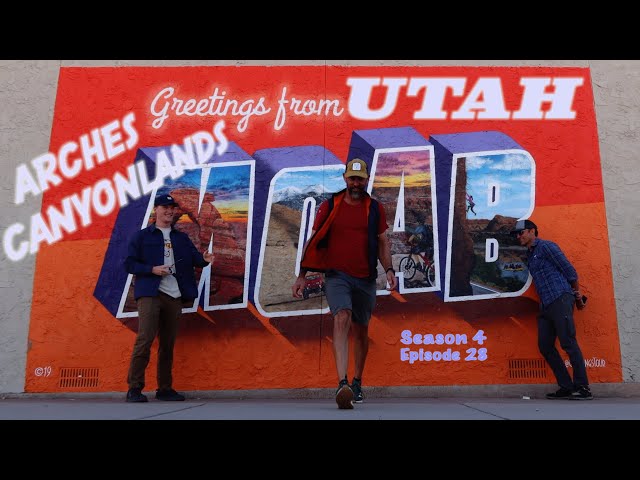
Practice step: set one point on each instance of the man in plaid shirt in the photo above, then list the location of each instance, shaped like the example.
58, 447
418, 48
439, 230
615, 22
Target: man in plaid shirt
556, 282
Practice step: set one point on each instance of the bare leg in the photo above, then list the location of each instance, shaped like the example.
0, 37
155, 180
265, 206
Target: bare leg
360, 347
341, 324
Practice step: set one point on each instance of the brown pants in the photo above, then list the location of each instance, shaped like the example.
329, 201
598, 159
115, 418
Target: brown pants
156, 316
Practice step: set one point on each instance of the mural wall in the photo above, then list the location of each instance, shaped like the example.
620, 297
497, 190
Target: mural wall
459, 153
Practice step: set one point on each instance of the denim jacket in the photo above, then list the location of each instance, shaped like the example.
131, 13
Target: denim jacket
146, 250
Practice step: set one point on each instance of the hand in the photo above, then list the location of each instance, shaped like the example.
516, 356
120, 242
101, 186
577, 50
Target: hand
392, 279
579, 304
208, 256
298, 287
580, 300
161, 270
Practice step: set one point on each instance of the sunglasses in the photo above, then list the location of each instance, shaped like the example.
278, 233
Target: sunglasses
521, 232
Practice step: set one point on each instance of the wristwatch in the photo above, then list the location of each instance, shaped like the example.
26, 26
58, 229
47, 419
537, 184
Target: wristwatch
390, 268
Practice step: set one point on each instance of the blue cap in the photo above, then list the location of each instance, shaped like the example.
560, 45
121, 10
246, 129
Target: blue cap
163, 200
522, 225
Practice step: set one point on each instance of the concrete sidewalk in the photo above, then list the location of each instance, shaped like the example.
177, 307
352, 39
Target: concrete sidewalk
91, 408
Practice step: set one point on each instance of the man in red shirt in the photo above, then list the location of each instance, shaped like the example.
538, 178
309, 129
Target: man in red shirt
348, 238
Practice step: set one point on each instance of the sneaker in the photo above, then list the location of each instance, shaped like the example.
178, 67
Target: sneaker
344, 395
135, 395
356, 386
169, 395
582, 393
563, 393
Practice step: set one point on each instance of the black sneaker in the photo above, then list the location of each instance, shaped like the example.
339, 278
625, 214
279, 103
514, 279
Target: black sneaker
562, 393
356, 386
582, 393
135, 395
169, 395
344, 395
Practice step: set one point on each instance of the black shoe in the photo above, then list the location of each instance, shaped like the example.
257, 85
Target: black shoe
169, 395
562, 393
582, 393
356, 386
135, 395
344, 395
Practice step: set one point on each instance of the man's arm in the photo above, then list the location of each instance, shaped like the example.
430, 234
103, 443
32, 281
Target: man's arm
384, 254
564, 265
137, 255
133, 263
298, 285
321, 216
197, 258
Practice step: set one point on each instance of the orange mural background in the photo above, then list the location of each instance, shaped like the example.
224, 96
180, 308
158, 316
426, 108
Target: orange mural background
240, 348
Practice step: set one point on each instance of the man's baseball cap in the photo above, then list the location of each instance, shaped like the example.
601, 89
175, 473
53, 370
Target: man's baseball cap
356, 168
522, 225
164, 200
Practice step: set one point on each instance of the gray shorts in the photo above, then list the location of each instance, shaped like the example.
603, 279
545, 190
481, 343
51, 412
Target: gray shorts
346, 292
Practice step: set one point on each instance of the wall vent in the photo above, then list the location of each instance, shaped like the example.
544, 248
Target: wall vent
78, 377
520, 368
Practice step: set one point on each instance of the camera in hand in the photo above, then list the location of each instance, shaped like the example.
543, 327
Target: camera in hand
581, 302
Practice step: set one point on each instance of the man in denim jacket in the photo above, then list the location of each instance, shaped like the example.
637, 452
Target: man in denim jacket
162, 260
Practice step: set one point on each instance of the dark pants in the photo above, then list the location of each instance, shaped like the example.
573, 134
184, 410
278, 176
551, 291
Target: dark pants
156, 316
556, 321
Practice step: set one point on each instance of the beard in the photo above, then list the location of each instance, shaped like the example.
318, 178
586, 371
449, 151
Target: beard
356, 193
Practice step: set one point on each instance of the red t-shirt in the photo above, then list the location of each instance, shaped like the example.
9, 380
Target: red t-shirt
347, 246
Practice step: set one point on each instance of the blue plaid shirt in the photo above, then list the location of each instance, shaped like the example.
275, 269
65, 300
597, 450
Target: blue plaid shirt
551, 271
